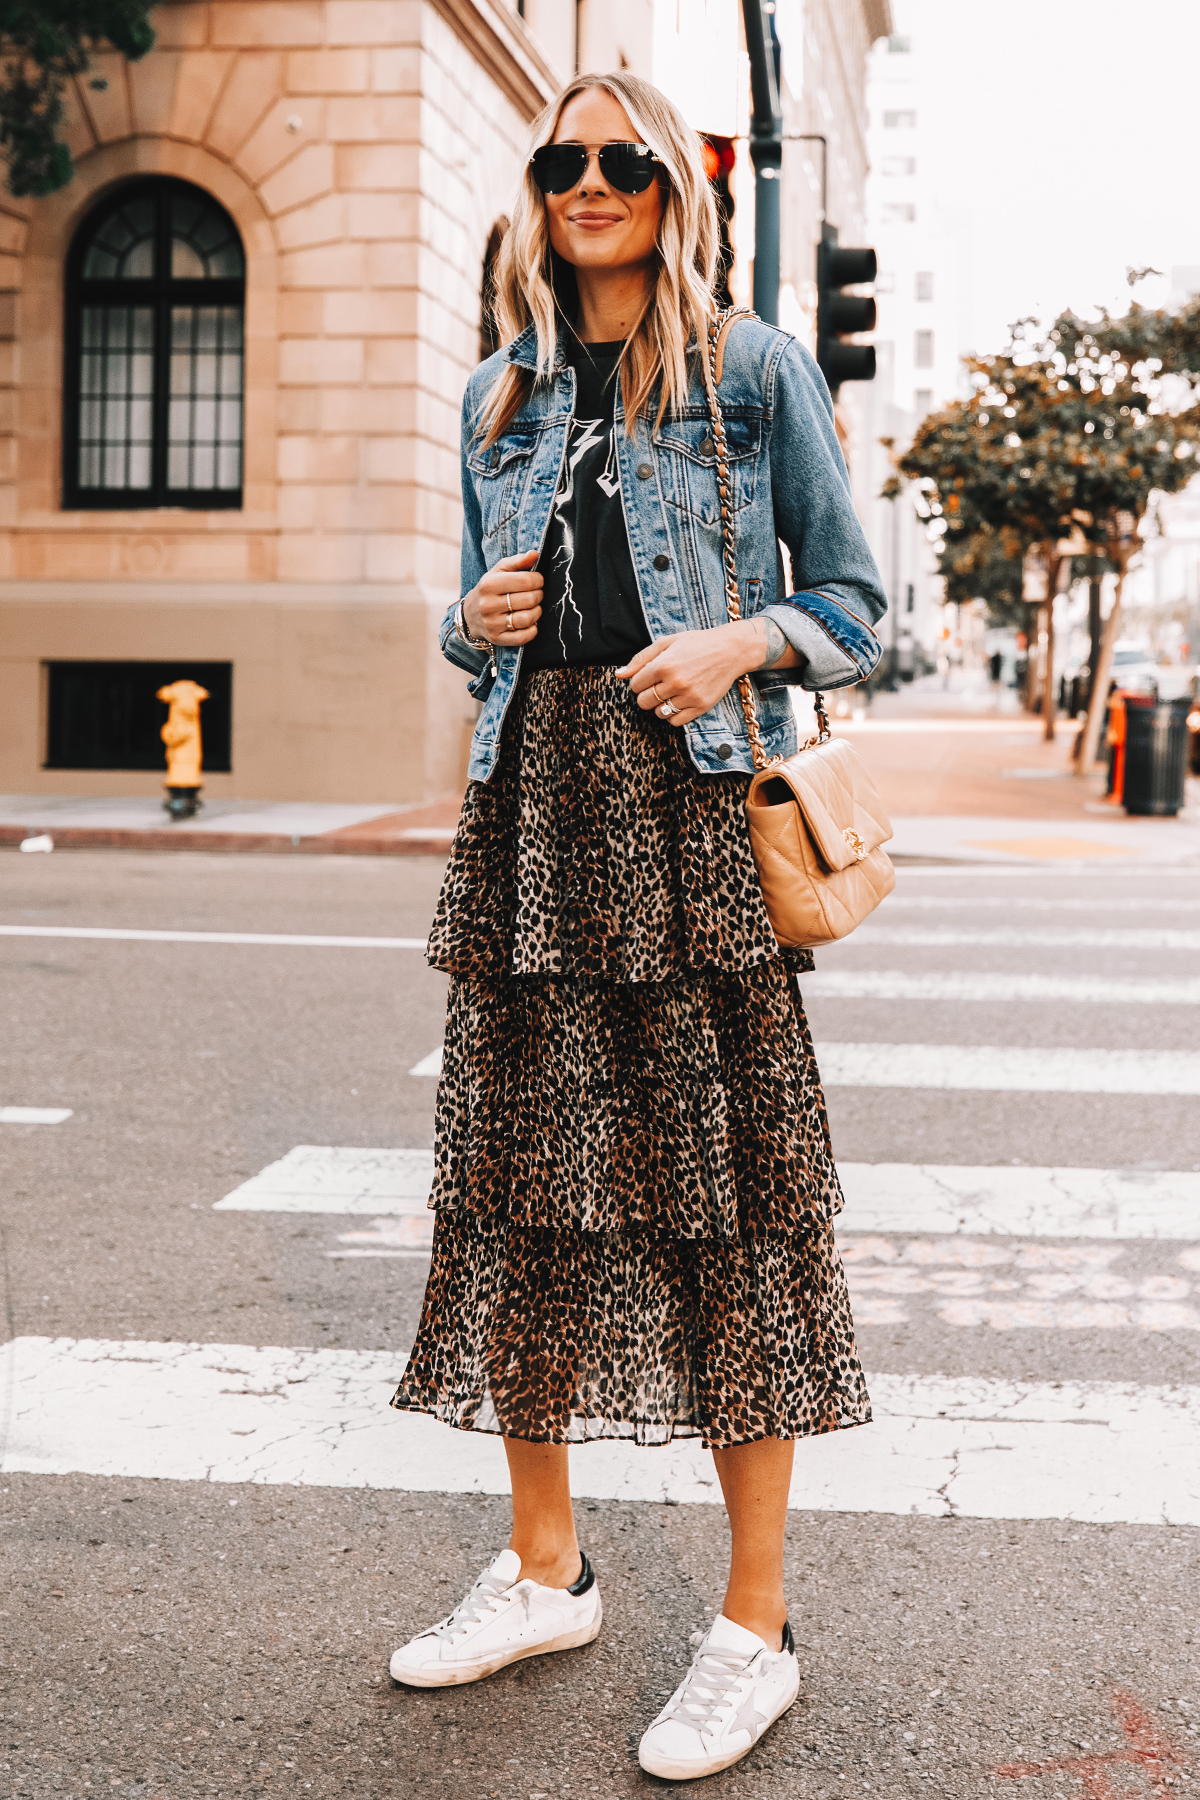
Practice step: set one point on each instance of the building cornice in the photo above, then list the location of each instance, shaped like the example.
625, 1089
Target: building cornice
500, 42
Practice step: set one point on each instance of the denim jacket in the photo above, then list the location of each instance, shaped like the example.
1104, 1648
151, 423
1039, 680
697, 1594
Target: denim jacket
789, 482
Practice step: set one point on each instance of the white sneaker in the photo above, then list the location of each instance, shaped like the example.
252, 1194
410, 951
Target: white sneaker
735, 1688
501, 1620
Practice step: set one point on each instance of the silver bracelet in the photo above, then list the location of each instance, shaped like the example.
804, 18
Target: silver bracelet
461, 627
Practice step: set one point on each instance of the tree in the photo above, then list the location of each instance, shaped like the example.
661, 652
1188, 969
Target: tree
1062, 445
45, 43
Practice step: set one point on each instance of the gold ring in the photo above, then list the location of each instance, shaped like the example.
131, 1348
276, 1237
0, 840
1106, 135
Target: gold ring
654, 690
508, 603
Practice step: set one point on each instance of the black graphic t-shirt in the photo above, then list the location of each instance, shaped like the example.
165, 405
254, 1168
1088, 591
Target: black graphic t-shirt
590, 607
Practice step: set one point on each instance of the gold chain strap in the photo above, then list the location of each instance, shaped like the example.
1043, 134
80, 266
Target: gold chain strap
725, 495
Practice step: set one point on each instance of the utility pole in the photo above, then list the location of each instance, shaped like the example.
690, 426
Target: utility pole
766, 153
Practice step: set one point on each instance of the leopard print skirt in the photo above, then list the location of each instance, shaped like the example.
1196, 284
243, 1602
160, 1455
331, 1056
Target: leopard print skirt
634, 1184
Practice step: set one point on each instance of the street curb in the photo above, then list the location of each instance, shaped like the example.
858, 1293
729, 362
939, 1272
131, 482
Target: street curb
269, 843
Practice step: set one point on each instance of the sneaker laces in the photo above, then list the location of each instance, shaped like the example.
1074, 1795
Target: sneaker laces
708, 1685
472, 1607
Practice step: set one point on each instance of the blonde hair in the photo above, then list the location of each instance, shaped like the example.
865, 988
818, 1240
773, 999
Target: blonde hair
680, 303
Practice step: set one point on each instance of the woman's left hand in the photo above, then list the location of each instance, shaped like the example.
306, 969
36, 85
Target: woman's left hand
695, 669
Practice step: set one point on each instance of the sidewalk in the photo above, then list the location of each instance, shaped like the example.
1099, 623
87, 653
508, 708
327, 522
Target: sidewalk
965, 775
284, 826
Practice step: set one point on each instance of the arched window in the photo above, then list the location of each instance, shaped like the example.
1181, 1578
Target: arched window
156, 284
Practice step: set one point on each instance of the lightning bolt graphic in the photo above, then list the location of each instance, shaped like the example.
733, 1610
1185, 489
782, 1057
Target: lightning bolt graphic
586, 435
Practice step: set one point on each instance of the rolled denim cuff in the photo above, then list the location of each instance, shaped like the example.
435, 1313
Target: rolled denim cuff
837, 648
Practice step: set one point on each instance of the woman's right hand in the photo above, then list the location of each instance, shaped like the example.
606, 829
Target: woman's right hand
507, 604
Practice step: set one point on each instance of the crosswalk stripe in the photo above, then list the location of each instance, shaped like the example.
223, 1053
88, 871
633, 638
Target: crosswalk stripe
1029, 937
1021, 1202
900, 985
965, 903
880, 1197
34, 1115
267, 938
897, 984
1002, 1068
1092, 1451
996, 1068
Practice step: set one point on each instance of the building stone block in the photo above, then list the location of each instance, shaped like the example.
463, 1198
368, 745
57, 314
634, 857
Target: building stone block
253, 23
320, 362
300, 313
359, 313
396, 70
375, 21
274, 141
333, 459
181, 26
298, 409
255, 83
307, 175
303, 556
382, 215
152, 87
324, 266
107, 108
323, 221
374, 119
13, 233
328, 71
379, 167
195, 94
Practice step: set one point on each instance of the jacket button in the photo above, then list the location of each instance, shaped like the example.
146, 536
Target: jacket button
705, 446
662, 562
494, 460
644, 471
724, 751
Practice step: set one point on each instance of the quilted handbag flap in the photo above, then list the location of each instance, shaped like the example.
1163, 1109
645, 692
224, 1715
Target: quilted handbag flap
840, 803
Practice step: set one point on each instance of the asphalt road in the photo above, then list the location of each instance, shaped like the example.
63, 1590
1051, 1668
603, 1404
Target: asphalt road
197, 1639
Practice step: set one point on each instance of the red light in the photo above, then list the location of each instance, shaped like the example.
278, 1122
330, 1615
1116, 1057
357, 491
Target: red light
712, 162
719, 156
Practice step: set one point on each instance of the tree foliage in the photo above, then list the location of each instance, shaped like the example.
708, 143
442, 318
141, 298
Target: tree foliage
1066, 436
45, 43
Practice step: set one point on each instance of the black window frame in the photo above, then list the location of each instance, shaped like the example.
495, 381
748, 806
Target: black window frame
160, 292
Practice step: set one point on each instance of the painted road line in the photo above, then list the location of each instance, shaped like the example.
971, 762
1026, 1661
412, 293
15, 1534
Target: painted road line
959, 903
294, 939
429, 1065
921, 1199
319, 1178
1012, 1285
1001, 1069
1092, 1451
1032, 937
34, 1115
896, 984
1020, 1202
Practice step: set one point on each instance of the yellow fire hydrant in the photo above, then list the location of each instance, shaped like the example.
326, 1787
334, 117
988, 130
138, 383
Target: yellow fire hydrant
181, 735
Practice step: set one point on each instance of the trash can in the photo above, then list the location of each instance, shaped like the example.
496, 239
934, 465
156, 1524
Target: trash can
1156, 754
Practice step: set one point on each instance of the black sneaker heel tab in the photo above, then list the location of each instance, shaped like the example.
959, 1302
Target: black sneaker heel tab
587, 1577
789, 1642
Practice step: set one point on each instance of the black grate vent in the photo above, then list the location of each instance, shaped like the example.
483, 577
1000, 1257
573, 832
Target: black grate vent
107, 715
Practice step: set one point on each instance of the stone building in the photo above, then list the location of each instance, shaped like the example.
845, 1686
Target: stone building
233, 352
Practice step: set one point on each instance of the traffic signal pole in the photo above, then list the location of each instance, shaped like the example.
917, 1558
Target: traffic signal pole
766, 153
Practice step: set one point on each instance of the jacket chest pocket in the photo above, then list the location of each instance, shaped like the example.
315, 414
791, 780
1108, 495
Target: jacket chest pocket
501, 475
689, 463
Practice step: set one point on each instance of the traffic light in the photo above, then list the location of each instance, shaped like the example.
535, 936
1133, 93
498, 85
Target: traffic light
839, 314
719, 158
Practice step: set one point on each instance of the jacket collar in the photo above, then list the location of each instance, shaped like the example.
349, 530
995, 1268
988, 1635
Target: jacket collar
523, 350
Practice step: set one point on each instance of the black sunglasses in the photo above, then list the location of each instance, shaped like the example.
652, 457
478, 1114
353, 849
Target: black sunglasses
630, 168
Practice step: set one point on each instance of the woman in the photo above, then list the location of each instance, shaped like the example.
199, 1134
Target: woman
634, 1183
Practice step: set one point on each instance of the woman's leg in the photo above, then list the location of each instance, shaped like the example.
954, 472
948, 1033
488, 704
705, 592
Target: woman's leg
755, 1479
543, 1533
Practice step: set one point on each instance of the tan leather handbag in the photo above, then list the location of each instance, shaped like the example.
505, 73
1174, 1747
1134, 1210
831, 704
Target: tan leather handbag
816, 821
